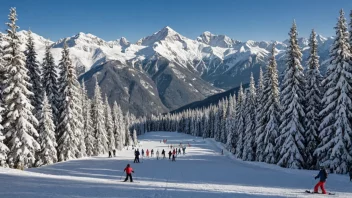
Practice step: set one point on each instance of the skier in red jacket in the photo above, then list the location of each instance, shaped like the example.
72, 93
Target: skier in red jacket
129, 171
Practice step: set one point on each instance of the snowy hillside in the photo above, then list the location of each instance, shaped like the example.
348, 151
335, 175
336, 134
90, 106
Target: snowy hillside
202, 172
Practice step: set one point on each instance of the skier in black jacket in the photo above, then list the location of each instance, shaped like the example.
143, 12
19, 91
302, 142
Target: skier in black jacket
170, 154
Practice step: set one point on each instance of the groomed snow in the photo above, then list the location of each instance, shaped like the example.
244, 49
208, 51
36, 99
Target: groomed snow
202, 172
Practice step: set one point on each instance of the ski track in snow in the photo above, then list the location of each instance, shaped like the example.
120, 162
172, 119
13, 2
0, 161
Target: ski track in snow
202, 172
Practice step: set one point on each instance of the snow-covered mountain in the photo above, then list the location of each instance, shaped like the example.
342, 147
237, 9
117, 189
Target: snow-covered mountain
182, 70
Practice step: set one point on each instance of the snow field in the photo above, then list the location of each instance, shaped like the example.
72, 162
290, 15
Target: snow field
202, 172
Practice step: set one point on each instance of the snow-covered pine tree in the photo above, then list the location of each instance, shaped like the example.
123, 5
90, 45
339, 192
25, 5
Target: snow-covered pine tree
89, 138
205, 124
3, 148
128, 139
69, 125
219, 116
270, 120
81, 135
109, 125
34, 74
313, 102
49, 82
350, 33
101, 141
117, 126
334, 149
135, 140
223, 132
47, 140
250, 113
19, 121
211, 122
231, 125
239, 119
291, 141
259, 127
228, 121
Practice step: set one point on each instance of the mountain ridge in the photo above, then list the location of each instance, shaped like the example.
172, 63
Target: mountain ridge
183, 70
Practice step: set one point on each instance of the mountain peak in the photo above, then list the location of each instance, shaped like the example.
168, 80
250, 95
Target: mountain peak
166, 33
216, 40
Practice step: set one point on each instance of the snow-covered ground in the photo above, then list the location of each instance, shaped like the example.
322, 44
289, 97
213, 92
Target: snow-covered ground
202, 172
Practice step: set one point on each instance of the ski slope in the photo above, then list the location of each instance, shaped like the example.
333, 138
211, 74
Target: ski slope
203, 172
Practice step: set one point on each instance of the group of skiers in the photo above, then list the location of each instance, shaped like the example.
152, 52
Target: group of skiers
172, 153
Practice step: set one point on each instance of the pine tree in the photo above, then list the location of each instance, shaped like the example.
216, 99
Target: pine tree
313, 102
231, 125
34, 74
223, 132
69, 126
81, 135
250, 113
268, 129
89, 138
47, 140
3, 71
259, 127
239, 119
19, 120
291, 141
3, 148
128, 139
109, 125
350, 33
101, 140
117, 114
219, 117
334, 149
229, 120
135, 140
50, 84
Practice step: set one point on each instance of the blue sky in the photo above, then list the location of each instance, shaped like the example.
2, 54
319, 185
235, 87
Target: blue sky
134, 19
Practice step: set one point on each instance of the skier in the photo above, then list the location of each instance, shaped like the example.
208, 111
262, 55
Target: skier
163, 153
174, 152
179, 151
170, 154
142, 152
157, 154
114, 151
135, 156
351, 174
151, 153
129, 171
136, 159
184, 150
110, 154
323, 175
147, 153
173, 157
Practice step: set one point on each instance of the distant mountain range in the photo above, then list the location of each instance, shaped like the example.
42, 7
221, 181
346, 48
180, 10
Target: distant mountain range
166, 70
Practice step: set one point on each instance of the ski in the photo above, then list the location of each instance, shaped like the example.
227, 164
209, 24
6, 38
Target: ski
311, 192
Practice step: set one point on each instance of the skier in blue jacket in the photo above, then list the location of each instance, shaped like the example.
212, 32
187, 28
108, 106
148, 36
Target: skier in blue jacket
323, 175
